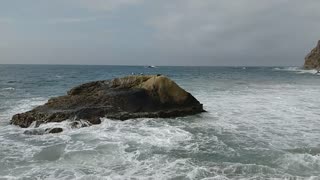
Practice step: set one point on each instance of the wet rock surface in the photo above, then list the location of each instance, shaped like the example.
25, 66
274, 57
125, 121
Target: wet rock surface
153, 96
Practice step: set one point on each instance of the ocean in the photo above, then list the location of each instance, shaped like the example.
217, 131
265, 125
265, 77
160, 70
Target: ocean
262, 123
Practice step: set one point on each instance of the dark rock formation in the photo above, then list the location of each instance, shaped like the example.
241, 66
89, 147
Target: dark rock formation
312, 60
54, 130
34, 132
39, 131
120, 98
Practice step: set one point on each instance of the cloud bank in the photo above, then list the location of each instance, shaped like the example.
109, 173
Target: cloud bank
161, 32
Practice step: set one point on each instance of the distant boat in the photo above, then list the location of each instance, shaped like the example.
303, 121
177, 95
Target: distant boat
151, 67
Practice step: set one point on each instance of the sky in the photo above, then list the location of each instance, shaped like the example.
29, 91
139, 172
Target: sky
158, 32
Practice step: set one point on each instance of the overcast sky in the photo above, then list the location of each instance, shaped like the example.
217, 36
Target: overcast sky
158, 32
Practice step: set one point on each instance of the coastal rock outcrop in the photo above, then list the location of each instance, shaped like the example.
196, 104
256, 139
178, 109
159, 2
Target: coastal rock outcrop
151, 96
312, 60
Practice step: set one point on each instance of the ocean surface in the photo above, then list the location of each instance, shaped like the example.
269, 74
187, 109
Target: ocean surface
262, 123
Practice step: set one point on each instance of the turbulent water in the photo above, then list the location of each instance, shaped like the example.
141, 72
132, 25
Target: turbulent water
262, 123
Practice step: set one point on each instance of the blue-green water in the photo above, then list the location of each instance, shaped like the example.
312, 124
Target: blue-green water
262, 123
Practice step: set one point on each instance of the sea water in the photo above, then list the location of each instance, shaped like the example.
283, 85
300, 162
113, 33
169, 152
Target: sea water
262, 123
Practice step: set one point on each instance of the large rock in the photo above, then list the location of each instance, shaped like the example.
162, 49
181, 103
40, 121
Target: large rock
120, 98
312, 60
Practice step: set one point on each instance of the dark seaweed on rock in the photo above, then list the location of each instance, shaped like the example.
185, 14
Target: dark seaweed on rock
153, 96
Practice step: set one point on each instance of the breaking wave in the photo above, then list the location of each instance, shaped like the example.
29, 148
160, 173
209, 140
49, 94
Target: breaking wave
298, 70
258, 126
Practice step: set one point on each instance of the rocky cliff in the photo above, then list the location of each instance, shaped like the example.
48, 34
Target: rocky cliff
312, 60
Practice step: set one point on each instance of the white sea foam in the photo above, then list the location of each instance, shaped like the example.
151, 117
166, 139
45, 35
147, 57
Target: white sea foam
114, 145
298, 70
253, 130
8, 89
302, 164
21, 106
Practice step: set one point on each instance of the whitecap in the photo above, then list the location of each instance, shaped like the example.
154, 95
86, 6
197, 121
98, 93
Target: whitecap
26, 104
300, 164
8, 89
21, 106
297, 70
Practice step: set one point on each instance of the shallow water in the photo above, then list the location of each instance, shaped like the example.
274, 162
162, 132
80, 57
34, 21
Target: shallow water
262, 123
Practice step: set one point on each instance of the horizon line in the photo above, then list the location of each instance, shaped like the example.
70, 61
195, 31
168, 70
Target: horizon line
156, 65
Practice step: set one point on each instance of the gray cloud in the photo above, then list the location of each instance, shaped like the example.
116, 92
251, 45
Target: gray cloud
105, 5
163, 32
4, 20
275, 32
72, 20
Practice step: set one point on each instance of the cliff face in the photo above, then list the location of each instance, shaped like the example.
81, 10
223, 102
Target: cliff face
312, 60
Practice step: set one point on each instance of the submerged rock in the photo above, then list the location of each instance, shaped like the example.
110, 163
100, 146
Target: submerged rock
80, 124
40, 131
312, 60
153, 96
34, 132
54, 130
